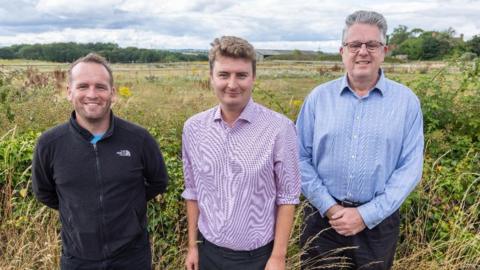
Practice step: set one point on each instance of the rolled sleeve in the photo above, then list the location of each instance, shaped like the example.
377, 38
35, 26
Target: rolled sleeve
287, 172
190, 192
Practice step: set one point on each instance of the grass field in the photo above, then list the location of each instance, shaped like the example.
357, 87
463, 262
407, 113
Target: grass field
440, 220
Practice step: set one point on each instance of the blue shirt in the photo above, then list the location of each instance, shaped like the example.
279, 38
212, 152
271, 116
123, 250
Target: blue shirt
362, 149
96, 138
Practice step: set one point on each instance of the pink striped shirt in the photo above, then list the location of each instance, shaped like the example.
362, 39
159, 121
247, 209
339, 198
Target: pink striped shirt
239, 175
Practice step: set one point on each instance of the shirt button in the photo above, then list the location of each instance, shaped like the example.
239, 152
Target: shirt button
353, 156
354, 136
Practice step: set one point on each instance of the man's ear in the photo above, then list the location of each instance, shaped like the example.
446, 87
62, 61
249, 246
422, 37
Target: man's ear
210, 79
69, 93
114, 94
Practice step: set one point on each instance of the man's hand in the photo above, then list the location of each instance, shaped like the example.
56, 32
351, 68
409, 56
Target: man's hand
347, 221
191, 261
275, 263
332, 210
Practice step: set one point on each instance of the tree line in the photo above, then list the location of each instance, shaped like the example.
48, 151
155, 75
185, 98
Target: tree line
414, 44
418, 44
70, 51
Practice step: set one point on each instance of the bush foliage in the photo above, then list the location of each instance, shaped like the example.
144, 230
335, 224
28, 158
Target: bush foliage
440, 220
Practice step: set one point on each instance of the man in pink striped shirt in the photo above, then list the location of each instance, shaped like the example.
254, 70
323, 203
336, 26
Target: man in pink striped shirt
242, 179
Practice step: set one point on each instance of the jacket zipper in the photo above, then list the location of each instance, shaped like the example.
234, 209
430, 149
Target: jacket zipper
100, 182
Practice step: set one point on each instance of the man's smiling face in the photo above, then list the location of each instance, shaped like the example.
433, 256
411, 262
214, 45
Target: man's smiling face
362, 65
90, 92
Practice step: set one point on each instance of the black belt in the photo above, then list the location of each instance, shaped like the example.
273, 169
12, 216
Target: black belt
347, 203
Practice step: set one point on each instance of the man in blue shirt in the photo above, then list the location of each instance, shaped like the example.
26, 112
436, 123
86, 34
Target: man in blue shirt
361, 154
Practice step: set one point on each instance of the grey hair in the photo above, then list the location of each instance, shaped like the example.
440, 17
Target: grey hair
366, 17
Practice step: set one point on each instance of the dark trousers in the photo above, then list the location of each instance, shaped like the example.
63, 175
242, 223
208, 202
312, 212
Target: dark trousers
213, 257
324, 248
135, 258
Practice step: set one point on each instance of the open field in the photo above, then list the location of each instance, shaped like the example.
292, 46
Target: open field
440, 220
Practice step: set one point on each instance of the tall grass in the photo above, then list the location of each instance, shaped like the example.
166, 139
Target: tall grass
441, 234
440, 226
30, 240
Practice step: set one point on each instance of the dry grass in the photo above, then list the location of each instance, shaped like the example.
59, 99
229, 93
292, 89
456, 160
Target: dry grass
163, 94
30, 240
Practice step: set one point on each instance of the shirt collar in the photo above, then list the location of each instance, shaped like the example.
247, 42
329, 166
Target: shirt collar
247, 114
380, 86
85, 133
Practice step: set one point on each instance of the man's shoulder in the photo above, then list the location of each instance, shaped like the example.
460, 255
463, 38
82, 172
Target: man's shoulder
130, 128
394, 84
273, 116
327, 87
321, 91
53, 134
399, 89
200, 118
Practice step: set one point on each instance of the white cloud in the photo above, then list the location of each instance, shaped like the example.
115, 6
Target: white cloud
286, 24
324, 46
75, 7
124, 37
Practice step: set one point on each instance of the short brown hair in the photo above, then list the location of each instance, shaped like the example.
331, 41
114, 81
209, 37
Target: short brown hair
91, 58
230, 46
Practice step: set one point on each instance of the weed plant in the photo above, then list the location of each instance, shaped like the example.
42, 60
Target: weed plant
440, 226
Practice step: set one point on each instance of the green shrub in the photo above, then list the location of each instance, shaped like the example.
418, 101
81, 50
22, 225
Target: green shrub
440, 220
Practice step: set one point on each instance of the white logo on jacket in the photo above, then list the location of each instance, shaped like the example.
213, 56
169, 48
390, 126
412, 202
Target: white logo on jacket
124, 153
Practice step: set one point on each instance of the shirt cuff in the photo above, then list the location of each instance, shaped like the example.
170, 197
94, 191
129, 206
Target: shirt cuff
369, 215
323, 204
189, 194
287, 199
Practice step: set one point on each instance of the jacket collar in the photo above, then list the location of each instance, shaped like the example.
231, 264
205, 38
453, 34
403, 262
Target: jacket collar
84, 133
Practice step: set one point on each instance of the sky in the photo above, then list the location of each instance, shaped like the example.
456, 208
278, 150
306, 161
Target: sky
193, 24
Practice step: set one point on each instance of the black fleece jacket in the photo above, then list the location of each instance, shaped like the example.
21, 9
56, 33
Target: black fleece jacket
101, 190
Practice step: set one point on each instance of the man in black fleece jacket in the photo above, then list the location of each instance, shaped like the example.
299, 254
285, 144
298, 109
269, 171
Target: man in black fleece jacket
99, 171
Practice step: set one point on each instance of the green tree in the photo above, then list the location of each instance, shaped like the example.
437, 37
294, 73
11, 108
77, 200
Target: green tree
436, 45
31, 52
413, 47
7, 53
416, 32
430, 47
473, 45
399, 35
